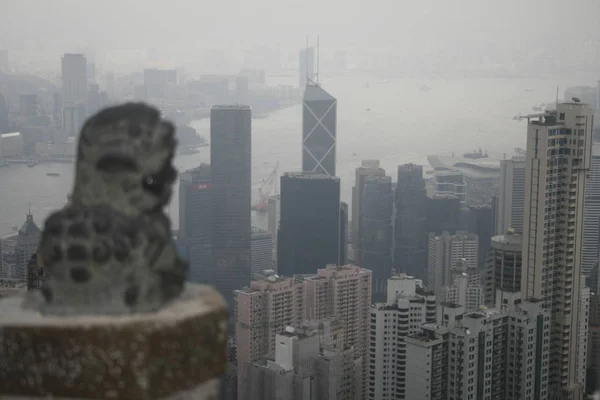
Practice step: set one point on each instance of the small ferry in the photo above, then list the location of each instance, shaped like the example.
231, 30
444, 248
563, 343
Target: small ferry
52, 174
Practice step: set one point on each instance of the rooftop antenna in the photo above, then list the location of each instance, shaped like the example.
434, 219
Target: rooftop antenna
29, 212
317, 60
306, 62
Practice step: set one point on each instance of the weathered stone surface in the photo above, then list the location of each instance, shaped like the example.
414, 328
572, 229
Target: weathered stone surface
172, 352
110, 251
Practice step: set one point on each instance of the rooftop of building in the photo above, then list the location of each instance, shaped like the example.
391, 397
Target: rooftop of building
310, 175
314, 92
510, 238
230, 107
449, 304
29, 227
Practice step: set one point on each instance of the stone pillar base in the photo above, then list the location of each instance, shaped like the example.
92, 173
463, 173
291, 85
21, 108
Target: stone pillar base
177, 353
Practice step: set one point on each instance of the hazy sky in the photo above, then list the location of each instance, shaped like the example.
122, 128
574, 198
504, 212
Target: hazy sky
243, 24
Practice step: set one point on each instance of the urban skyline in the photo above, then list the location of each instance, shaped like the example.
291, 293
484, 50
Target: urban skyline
337, 288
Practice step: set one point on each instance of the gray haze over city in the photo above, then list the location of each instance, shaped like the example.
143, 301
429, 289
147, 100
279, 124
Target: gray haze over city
386, 199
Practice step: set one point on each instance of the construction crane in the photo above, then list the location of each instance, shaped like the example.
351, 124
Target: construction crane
266, 189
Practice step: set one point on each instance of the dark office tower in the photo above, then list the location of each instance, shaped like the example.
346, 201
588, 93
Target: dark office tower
195, 222
411, 240
306, 64
74, 92
319, 110
480, 220
376, 233
230, 154
443, 213
309, 229
367, 168
343, 234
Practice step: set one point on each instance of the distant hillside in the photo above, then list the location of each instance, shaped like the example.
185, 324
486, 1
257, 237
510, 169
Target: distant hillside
12, 86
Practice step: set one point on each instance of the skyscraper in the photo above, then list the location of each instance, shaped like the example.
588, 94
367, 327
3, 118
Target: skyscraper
319, 122
261, 251
445, 252
4, 126
376, 231
230, 154
28, 240
559, 150
452, 182
503, 266
473, 355
480, 221
306, 66
591, 215
511, 195
410, 229
309, 230
408, 306
195, 222
343, 255
273, 302
74, 92
367, 168
274, 214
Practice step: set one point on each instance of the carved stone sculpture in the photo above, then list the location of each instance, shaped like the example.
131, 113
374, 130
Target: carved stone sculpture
110, 251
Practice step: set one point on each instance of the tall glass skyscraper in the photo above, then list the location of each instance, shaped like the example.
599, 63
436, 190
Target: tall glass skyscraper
309, 229
319, 118
195, 222
230, 153
376, 233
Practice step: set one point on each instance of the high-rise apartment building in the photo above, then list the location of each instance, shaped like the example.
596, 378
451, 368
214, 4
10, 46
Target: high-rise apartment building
591, 215
309, 229
503, 266
272, 303
410, 253
273, 216
559, 153
74, 92
408, 306
343, 257
496, 353
319, 130
195, 222
263, 310
465, 288
376, 231
230, 154
343, 292
261, 251
511, 195
306, 66
593, 365
367, 168
445, 252
28, 239
310, 362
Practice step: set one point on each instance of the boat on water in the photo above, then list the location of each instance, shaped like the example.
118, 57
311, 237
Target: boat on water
3, 163
52, 174
424, 88
366, 85
31, 163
